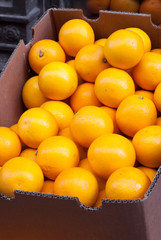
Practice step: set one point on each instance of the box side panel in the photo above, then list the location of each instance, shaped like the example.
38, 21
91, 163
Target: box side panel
108, 22
31, 217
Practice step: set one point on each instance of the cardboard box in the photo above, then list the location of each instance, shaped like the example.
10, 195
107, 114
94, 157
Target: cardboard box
36, 216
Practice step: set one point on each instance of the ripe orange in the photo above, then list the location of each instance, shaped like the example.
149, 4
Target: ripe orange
147, 146
84, 163
84, 96
157, 97
146, 39
89, 123
35, 125
124, 5
31, 94
58, 80
29, 153
110, 152
90, 61
112, 86
20, 173
101, 42
56, 154
158, 122
72, 64
44, 52
101, 195
127, 183
48, 187
157, 50
134, 113
112, 113
10, 145
75, 34
94, 6
15, 129
147, 73
67, 133
77, 182
124, 49
144, 93
150, 172
62, 113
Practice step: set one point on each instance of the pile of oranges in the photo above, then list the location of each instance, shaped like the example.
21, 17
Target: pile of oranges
92, 128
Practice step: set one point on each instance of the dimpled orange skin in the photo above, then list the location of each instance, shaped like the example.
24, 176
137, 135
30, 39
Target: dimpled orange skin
148, 138
84, 96
29, 153
146, 94
89, 123
62, 112
150, 172
109, 153
101, 195
56, 154
77, 182
127, 183
67, 133
134, 113
112, 86
10, 145
101, 42
124, 49
72, 64
58, 80
35, 125
90, 61
20, 174
112, 113
146, 39
147, 73
31, 94
48, 187
44, 52
157, 97
75, 34
84, 163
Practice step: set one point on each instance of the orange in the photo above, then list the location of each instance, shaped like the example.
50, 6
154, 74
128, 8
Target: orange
62, 113
150, 172
10, 145
144, 93
158, 122
44, 52
75, 34
127, 183
157, 97
101, 195
101, 42
109, 153
72, 64
67, 133
35, 125
147, 73
48, 187
147, 144
125, 5
77, 182
134, 113
29, 153
157, 50
31, 94
90, 61
112, 113
112, 86
89, 123
58, 80
124, 49
84, 163
15, 129
84, 96
94, 6
20, 173
56, 154
146, 39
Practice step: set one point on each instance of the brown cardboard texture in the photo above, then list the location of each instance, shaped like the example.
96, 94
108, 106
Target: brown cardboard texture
37, 216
